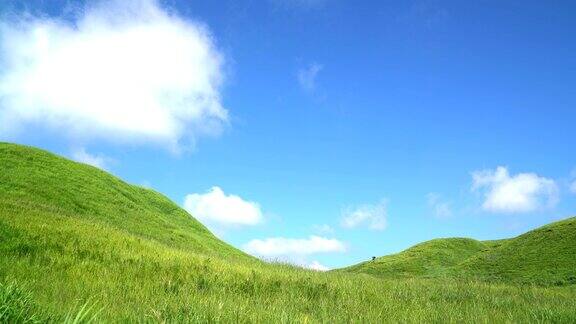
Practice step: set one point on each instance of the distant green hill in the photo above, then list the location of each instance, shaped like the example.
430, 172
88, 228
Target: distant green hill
426, 259
77, 244
545, 256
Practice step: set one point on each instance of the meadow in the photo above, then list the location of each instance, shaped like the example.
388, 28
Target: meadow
79, 245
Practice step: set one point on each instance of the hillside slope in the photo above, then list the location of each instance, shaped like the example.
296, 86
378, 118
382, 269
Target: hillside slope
546, 256
41, 189
426, 259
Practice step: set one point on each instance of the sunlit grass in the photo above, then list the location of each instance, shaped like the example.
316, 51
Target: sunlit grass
545, 256
78, 245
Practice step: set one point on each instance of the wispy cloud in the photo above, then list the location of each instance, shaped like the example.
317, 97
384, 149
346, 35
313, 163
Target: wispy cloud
124, 71
572, 183
524, 192
373, 216
440, 208
323, 229
307, 76
97, 160
217, 209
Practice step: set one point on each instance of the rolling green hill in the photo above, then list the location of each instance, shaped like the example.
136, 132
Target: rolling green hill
426, 259
42, 190
545, 256
78, 244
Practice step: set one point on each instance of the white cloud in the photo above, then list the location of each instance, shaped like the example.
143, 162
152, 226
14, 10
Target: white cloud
295, 251
125, 71
307, 76
373, 216
573, 187
216, 208
323, 229
99, 161
315, 265
524, 192
280, 247
440, 208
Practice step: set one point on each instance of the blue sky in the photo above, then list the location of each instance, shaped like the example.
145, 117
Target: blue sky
322, 132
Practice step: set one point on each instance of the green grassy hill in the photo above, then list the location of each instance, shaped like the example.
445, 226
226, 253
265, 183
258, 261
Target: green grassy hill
41, 190
427, 259
545, 256
78, 243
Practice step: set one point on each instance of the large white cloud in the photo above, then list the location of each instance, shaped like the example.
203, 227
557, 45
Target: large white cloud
372, 216
121, 70
524, 192
280, 247
216, 208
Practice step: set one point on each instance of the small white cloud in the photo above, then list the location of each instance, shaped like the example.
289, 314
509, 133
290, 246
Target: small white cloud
216, 208
373, 216
315, 265
146, 184
323, 229
280, 247
99, 161
307, 76
573, 187
440, 208
521, 193
124, 71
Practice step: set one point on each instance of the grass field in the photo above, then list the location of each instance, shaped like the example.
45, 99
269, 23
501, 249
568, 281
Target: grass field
79, 245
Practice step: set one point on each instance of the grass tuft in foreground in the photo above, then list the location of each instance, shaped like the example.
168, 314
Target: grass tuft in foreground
16, 305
